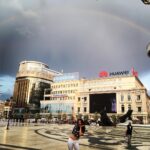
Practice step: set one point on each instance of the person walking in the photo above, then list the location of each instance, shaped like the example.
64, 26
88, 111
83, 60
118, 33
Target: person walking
129, 133
78, 130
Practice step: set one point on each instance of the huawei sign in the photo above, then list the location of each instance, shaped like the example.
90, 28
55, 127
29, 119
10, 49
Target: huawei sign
119, 73
134, 72
103, 74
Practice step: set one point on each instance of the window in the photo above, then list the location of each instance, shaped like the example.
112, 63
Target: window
129, 97
78, 109
122, 108
129, 107
122, 98
84, 109
78, 99
138, 97
85, 99
139, 109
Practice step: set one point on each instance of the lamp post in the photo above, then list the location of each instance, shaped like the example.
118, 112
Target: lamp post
8, 116
10, 110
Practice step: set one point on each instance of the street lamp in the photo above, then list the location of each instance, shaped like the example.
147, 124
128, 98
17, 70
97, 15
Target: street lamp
10, 110
8, 116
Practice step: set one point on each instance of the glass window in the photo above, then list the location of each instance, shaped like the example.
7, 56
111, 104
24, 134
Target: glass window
78, 99
122, 97
129, 97
138, 97
78, 109
122, 108
129, 107
139, 109
84, 109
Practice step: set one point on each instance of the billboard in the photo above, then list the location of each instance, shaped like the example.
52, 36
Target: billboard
106, 101
118, 73
66, 77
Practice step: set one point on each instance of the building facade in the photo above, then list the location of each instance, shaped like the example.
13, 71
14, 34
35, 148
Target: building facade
116, 94
2, 106
31, 80
62, 95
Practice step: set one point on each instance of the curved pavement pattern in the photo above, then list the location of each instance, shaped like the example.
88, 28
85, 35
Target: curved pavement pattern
54, 137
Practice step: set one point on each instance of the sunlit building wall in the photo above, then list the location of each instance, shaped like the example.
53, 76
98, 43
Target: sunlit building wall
31, 80
88, 96
61, 97
130, 94
2, 105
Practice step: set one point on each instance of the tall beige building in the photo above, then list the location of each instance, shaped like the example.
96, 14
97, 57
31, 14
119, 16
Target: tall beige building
116, 94
31, 80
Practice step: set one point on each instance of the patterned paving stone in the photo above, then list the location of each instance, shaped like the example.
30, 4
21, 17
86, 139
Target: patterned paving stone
54, 137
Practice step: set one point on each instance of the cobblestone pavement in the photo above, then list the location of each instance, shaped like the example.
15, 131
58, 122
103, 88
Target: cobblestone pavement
54, 137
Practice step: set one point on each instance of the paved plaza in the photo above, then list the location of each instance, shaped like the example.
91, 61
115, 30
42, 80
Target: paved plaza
55, 136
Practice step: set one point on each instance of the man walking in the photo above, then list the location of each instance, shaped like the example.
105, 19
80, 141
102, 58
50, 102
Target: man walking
129, 133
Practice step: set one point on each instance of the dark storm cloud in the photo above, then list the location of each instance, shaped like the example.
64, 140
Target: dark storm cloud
86, 36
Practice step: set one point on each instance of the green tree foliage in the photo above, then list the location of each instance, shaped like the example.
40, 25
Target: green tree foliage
59, 116
64, 116
114, 118
96, 116
49, 117
37, 116
79, 116
86, 117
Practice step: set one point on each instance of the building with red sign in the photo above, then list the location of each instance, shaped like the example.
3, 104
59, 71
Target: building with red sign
115, 94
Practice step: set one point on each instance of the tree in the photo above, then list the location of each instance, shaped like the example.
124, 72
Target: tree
86, 117
96, 116
79, 116
114, 119
37, 116
49, 117
64, 116
59, 116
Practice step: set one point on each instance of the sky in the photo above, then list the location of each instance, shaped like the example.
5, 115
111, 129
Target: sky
85, 36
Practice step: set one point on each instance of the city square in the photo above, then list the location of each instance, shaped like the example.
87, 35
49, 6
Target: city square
74, 75
55, 136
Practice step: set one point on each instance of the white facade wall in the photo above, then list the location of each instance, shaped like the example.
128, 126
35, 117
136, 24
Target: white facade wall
121, 86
